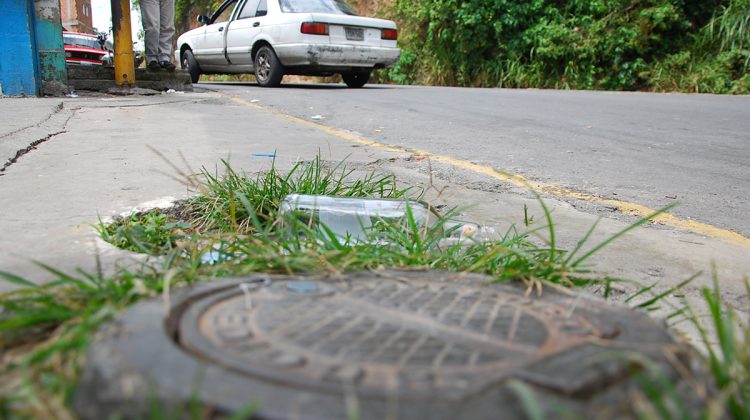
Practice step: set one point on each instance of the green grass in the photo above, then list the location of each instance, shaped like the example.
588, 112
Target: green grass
151, 232
45, 329
229, 202
727, 352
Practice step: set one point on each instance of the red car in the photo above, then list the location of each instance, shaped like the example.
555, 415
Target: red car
84, 49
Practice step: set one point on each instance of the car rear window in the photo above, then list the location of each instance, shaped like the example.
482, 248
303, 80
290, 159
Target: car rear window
316, 6
81, 41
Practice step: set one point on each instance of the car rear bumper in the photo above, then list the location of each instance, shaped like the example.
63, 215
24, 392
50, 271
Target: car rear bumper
83, 62
321, 55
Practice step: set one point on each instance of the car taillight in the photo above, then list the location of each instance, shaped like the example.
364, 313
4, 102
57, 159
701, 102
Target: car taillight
389, 34
314, 28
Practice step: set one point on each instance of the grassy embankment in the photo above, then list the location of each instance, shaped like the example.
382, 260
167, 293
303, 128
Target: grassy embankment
651, 45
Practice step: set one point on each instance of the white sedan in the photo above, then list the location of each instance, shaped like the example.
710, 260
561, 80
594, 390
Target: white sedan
271, 38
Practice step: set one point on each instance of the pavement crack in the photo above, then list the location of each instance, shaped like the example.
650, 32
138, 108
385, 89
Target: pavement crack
33, 145
28, 149
145, 105
57, 109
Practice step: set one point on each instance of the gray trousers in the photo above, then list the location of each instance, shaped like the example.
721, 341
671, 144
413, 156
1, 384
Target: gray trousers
158, 24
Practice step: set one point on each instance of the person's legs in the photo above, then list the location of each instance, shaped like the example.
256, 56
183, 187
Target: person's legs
150, 19
166, 29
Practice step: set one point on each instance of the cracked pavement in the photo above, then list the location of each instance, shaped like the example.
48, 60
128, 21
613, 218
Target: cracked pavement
28, 123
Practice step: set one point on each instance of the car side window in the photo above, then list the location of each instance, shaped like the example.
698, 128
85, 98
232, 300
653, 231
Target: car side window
262, 8
224, 12
248, 10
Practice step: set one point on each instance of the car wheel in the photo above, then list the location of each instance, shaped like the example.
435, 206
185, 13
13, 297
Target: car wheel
356, 79
190, 64
268, 69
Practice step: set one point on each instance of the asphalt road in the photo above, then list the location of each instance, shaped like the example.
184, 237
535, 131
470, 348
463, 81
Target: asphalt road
648, 149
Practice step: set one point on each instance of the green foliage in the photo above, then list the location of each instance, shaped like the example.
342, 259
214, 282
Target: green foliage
45, 330
230, 202
151, 232
730, 29
186, 10
728, 351
578, 44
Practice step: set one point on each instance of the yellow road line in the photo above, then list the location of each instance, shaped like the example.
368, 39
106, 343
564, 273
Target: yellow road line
624, 207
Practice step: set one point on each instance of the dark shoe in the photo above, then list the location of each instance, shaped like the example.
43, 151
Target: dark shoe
167, 65
154, 66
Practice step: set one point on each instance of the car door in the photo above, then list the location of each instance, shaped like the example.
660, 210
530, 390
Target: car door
243, 30
211, 52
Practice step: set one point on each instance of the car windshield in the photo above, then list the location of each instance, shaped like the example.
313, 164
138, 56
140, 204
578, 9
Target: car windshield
316, 6
81, 41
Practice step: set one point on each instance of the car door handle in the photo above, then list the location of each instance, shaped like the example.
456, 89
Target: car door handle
256, 24
221, 28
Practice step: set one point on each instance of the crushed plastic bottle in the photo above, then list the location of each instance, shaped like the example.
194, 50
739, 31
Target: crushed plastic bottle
217, 254
354, 218
359, 219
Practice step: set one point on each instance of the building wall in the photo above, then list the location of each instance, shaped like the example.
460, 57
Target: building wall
76, 15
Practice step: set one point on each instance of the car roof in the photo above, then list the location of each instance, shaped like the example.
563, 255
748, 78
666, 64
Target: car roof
79, 34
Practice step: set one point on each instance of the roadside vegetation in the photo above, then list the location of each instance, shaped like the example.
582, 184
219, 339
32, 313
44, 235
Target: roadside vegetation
644, 45
233, 220
652, 45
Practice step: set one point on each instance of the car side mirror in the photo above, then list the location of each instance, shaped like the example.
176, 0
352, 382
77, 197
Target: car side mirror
203, 19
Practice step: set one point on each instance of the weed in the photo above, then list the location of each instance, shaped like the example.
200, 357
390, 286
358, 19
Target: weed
219, 208
151, 232
727, 352
229, 203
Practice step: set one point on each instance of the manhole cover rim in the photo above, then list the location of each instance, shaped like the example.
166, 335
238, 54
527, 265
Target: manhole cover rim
117, 353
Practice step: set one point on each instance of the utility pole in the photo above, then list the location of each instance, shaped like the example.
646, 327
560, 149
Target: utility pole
123, 42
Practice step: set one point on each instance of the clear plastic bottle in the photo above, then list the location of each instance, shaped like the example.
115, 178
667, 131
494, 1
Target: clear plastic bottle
355, 218
360, 219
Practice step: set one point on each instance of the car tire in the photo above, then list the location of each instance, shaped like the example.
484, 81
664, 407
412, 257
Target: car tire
356, 79
268, 68
190, 64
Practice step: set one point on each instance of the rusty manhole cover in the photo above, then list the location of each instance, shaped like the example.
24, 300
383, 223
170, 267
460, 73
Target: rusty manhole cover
390, 344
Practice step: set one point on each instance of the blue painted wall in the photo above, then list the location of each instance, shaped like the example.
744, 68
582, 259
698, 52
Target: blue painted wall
19, 69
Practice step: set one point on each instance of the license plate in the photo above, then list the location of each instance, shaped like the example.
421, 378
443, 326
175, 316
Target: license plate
355, 34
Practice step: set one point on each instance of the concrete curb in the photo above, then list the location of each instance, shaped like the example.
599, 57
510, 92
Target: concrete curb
102, 79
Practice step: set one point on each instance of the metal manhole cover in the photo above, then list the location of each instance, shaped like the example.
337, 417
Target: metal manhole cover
405, 344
